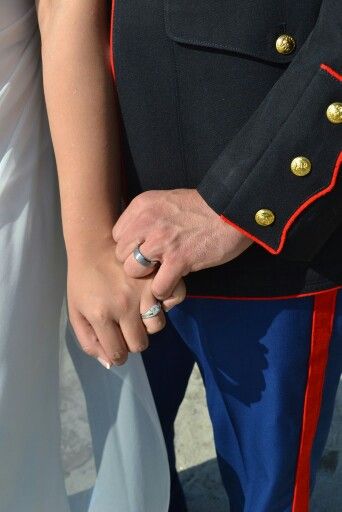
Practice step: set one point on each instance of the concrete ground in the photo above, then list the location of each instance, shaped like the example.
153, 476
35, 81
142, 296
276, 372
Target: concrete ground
198, 468
195, 451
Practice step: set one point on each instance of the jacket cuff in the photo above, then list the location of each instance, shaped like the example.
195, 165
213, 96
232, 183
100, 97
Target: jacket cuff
263, 192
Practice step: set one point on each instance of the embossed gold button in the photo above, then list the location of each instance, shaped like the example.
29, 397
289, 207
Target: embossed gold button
301, 166
285, 44
334, 113
264, 217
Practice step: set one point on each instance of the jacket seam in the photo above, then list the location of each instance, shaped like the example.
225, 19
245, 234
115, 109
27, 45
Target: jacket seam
179, 117
177, 102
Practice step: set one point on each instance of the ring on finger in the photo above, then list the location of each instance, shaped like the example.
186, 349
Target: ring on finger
152, 311
140, 258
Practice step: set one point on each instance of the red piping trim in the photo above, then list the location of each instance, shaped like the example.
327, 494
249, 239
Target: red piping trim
111, 40
331, 72
322, 327
277, 297
249, 235
293, 217
112, 66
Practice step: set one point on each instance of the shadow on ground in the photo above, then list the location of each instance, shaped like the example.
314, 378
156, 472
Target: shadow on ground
203, 488
204, 491
199, 471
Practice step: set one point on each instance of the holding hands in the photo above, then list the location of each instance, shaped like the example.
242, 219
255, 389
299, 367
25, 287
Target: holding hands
160, 237
178, 229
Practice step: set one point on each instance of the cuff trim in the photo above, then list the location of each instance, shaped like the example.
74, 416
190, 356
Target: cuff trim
331, 72
294, 216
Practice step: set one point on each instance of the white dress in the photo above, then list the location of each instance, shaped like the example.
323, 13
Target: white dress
130, 459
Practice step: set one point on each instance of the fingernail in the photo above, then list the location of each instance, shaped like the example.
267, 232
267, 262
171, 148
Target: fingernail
119, 363
118, 359
104, 363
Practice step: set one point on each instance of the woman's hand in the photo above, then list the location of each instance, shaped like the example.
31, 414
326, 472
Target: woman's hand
105, 305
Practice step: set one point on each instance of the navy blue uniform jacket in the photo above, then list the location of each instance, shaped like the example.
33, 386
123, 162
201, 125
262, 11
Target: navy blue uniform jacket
225, 96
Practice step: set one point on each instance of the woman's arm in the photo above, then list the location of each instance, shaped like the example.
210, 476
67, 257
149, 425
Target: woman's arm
81, 107
104, 305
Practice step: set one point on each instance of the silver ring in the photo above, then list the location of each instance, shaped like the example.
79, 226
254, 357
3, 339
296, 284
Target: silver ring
153, 311
140, 258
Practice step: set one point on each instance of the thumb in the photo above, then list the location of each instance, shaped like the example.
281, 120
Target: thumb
166, 280
178, 295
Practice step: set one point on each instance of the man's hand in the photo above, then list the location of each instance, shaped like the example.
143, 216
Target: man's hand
178, 229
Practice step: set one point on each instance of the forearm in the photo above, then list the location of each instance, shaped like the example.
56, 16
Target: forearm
82, 114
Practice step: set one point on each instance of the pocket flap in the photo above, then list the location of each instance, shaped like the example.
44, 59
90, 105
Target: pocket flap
249, 27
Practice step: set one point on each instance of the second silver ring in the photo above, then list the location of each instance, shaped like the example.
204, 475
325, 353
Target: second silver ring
152, 312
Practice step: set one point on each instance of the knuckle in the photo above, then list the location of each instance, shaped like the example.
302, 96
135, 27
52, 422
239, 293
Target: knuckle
145, 215
122, 303
100, 315
139, 201
163, 230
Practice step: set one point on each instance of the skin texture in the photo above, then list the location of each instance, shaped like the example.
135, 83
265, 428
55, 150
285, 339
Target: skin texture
104, 303
178, 229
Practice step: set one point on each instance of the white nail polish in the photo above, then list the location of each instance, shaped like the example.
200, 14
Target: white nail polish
104, 363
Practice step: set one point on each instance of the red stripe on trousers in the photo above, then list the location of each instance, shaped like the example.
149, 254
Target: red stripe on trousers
322, 326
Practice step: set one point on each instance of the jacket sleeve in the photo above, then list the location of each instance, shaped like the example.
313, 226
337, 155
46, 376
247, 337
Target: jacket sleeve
278, 180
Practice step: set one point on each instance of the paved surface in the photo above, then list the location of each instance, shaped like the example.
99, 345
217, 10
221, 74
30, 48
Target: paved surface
195, 452
197, 464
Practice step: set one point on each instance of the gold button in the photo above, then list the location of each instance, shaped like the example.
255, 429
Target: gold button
301, 166
285, 44
264, 217
334, 113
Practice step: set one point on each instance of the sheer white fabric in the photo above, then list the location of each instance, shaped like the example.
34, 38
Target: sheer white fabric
130, 467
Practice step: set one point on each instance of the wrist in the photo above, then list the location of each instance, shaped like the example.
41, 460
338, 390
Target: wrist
85, 245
